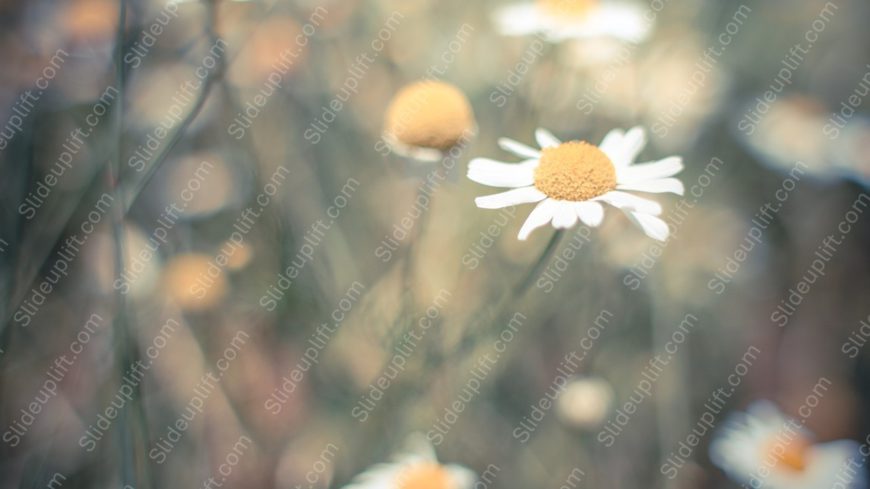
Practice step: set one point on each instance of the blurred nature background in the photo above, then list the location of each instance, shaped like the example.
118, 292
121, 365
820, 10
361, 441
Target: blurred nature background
129, 170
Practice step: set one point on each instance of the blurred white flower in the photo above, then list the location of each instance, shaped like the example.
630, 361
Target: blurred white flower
763, 448
416, 468
560, 20
569, 181
798, 127
585, 402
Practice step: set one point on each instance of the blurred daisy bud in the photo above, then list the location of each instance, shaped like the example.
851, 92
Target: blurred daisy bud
240, 257
201, 184
426, 119
585, 402
89, 20
272, 52
764, 448
194, 282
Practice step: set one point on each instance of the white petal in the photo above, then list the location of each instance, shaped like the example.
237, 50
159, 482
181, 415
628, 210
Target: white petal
662, 185
525, 195
540, 216
564, 216
518, 148
632, 144
591, 213
546, 139
611, 142
835, 460
654, 227
625, 200
463, 478
418, 447
622, 151
623, 21
498, 174
518, 19
667, 167
423, 155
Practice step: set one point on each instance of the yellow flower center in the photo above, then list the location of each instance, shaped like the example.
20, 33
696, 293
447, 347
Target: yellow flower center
575, 171
567, 8
789, 453
429, 114
426, 475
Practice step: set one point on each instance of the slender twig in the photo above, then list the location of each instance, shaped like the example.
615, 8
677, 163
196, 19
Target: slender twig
158, 160
127, 352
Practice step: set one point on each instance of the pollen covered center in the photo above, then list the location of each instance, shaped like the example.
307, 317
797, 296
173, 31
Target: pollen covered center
567, 8
791, 454
575, 171
424, 476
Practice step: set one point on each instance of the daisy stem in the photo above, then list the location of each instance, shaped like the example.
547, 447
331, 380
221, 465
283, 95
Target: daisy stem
672, 410
543, 259
411, 251
494, 315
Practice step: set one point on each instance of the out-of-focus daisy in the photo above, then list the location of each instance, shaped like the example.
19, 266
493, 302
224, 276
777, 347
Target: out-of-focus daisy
571, 180
194, 283
426, 119
798, 127
417, 468
763, 448
201, 184
89, 20
585, 402
560, 20
271, 53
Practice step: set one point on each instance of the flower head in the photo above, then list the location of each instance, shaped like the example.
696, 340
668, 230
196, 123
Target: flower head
763, 448
569, 181
585, 402
417, 468
190, 282
560, 20
271, 50
427, 118
90, 20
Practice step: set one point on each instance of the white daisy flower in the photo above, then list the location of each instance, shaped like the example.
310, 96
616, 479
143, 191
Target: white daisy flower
763, 448
560, 20
417, 468
570, 181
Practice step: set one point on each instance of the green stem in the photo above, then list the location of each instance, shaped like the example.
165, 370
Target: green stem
494, 315
127, 352
158, 160
543, 259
